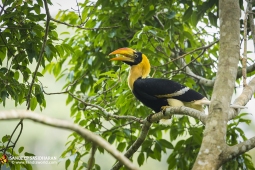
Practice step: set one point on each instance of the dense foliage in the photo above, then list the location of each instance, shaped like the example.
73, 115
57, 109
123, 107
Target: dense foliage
175, 35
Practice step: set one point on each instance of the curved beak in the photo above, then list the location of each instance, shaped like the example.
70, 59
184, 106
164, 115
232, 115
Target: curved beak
124, 54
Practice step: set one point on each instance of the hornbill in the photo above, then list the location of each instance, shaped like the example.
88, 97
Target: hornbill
157, 93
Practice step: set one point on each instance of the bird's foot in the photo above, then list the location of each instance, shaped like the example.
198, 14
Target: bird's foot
163, 110
149, 117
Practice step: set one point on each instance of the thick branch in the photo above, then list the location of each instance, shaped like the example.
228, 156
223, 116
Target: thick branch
245, 97
86, 134
213, 142
169, 111
232, 151
249, 69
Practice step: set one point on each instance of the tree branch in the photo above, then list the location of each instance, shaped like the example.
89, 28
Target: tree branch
244, 98
158, 20
135, 146
190, 52
232, 151
252, 27
10, 139
2, 7
248, 70
169, 111
201, 80
106, 114
244, 58
214, 135
81, 27
41, 52
91, 161
86, 134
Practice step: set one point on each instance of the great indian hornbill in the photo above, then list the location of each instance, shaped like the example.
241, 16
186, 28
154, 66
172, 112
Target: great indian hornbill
157, 93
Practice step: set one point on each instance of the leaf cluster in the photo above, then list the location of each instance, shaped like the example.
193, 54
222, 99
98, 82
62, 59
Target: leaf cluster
166, 31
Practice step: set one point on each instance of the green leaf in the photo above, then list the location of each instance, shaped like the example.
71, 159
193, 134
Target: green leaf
21, 149
56, 69
47, 51
121, 146
5, 138
187, 14
83, 123
112, 138
127, 132
171, 160
170, 15
4, 95
16, 75
3, 70
27, 166
194, 18
31, 53
37, 8
29, 154
67, 163
76, 161
213, 19
166, 143
122, 2
157, 152
140, 159
33, 103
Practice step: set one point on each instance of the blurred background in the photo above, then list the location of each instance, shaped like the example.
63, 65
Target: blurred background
42, 140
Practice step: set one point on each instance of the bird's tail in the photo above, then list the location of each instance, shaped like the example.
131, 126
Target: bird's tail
205, 101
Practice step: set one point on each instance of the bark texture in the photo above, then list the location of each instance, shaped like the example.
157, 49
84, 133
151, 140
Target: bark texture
213, 143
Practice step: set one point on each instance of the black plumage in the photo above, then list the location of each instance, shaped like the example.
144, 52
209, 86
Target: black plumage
152, 92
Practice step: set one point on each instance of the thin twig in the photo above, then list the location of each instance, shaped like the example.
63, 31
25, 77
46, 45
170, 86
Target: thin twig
252, 27
117, 127
244, 59
107, 114
79, 12
136, 145
9, 141
195, 50
41, 52
158, 20
2, 7
88, 16
89, 104
91, 161
186, 65
81, 27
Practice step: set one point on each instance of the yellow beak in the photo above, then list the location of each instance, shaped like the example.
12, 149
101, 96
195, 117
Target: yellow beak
125, 54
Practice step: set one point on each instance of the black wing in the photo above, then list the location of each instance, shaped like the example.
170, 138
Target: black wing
155, 92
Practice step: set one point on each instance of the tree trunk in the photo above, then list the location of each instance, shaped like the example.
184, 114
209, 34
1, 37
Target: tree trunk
214, 140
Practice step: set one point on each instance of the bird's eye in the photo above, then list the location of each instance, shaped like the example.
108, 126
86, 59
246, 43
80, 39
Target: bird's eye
136, 55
